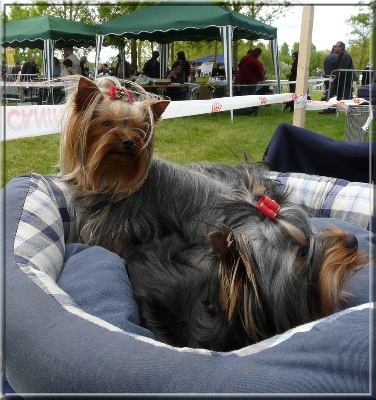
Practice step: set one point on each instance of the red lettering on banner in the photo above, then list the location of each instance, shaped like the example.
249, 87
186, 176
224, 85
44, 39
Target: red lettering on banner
263, 100
32, 120
50, 122
40, 118
216, 107
14, 115
57, 112
26, 117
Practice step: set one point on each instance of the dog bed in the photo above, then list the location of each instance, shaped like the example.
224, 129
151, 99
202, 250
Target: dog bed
72, 326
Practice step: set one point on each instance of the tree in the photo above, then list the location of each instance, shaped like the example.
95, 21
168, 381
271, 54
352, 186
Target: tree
284, 53
360, 44
266, 13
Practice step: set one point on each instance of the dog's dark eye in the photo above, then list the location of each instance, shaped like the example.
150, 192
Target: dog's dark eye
107, 124
302, 251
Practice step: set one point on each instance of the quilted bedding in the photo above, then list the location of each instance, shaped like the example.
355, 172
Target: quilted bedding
76, 314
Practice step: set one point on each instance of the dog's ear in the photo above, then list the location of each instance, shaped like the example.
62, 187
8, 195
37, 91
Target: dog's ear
158, 108
86, 91
223, 246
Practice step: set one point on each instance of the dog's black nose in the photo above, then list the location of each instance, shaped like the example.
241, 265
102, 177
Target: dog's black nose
351, 242
127, 144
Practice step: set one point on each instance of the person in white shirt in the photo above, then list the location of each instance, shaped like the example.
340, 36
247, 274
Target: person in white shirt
71, 64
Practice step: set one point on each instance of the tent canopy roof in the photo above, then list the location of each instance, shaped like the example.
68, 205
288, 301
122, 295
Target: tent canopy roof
220, 59
166, 23
31, 32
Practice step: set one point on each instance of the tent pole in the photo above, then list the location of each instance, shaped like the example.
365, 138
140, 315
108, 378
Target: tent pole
274, 48
99, 41
163, 52
226, 35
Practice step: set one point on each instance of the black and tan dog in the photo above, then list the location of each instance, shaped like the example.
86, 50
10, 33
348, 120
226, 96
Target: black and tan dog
217, 257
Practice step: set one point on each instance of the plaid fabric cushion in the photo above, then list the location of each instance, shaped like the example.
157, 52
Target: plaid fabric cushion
326, 197
43, 228
43, 232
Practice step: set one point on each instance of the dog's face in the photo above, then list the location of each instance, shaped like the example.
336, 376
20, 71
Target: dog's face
276, 282
108, 140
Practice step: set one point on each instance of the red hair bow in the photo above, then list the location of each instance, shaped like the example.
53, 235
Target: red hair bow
120, 93
268, 207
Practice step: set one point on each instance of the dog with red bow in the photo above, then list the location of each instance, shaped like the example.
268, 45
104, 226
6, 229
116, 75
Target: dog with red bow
217, 256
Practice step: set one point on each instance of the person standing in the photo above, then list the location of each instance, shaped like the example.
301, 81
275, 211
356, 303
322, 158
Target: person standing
152, 66
71, 64
367, 76
292, 79
29, 68
56, 70
343, 80
84, 67
3, 70
17, 68
251, 72
329, 66
185, 65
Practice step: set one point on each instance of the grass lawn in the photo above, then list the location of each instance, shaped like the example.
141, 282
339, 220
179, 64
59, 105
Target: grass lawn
185, 140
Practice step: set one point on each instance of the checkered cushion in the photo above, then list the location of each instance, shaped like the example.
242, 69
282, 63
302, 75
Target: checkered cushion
44, 226
326, 197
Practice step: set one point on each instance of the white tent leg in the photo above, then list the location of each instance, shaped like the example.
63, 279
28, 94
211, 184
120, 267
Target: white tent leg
226, 35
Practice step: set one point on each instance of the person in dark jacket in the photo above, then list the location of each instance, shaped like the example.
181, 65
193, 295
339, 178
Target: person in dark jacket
185, 65
152, 66
343, 81
292, 78
329, 66
29, 68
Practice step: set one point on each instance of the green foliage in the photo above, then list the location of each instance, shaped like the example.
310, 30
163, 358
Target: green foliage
359, 45
138, 53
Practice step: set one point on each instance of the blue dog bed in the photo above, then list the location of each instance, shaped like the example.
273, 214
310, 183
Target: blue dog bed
72, 326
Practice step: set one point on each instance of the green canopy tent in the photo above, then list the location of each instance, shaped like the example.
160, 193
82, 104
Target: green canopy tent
166, 23
46, 33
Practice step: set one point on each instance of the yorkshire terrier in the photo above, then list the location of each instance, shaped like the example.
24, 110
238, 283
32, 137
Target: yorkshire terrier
108, 136
217, 257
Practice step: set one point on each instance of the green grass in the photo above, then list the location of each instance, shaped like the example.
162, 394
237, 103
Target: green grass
211, 138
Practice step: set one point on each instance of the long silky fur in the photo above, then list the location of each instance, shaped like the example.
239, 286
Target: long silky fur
257, 277
207, 267
79, 163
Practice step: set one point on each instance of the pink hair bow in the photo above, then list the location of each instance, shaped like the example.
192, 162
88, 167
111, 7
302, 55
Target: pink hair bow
120, 93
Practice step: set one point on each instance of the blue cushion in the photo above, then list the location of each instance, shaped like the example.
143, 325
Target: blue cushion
96, 280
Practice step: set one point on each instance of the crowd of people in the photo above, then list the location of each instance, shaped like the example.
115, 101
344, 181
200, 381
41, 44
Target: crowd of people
251, 73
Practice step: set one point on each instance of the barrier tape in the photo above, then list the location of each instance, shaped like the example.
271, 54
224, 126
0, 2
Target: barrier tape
37, 120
